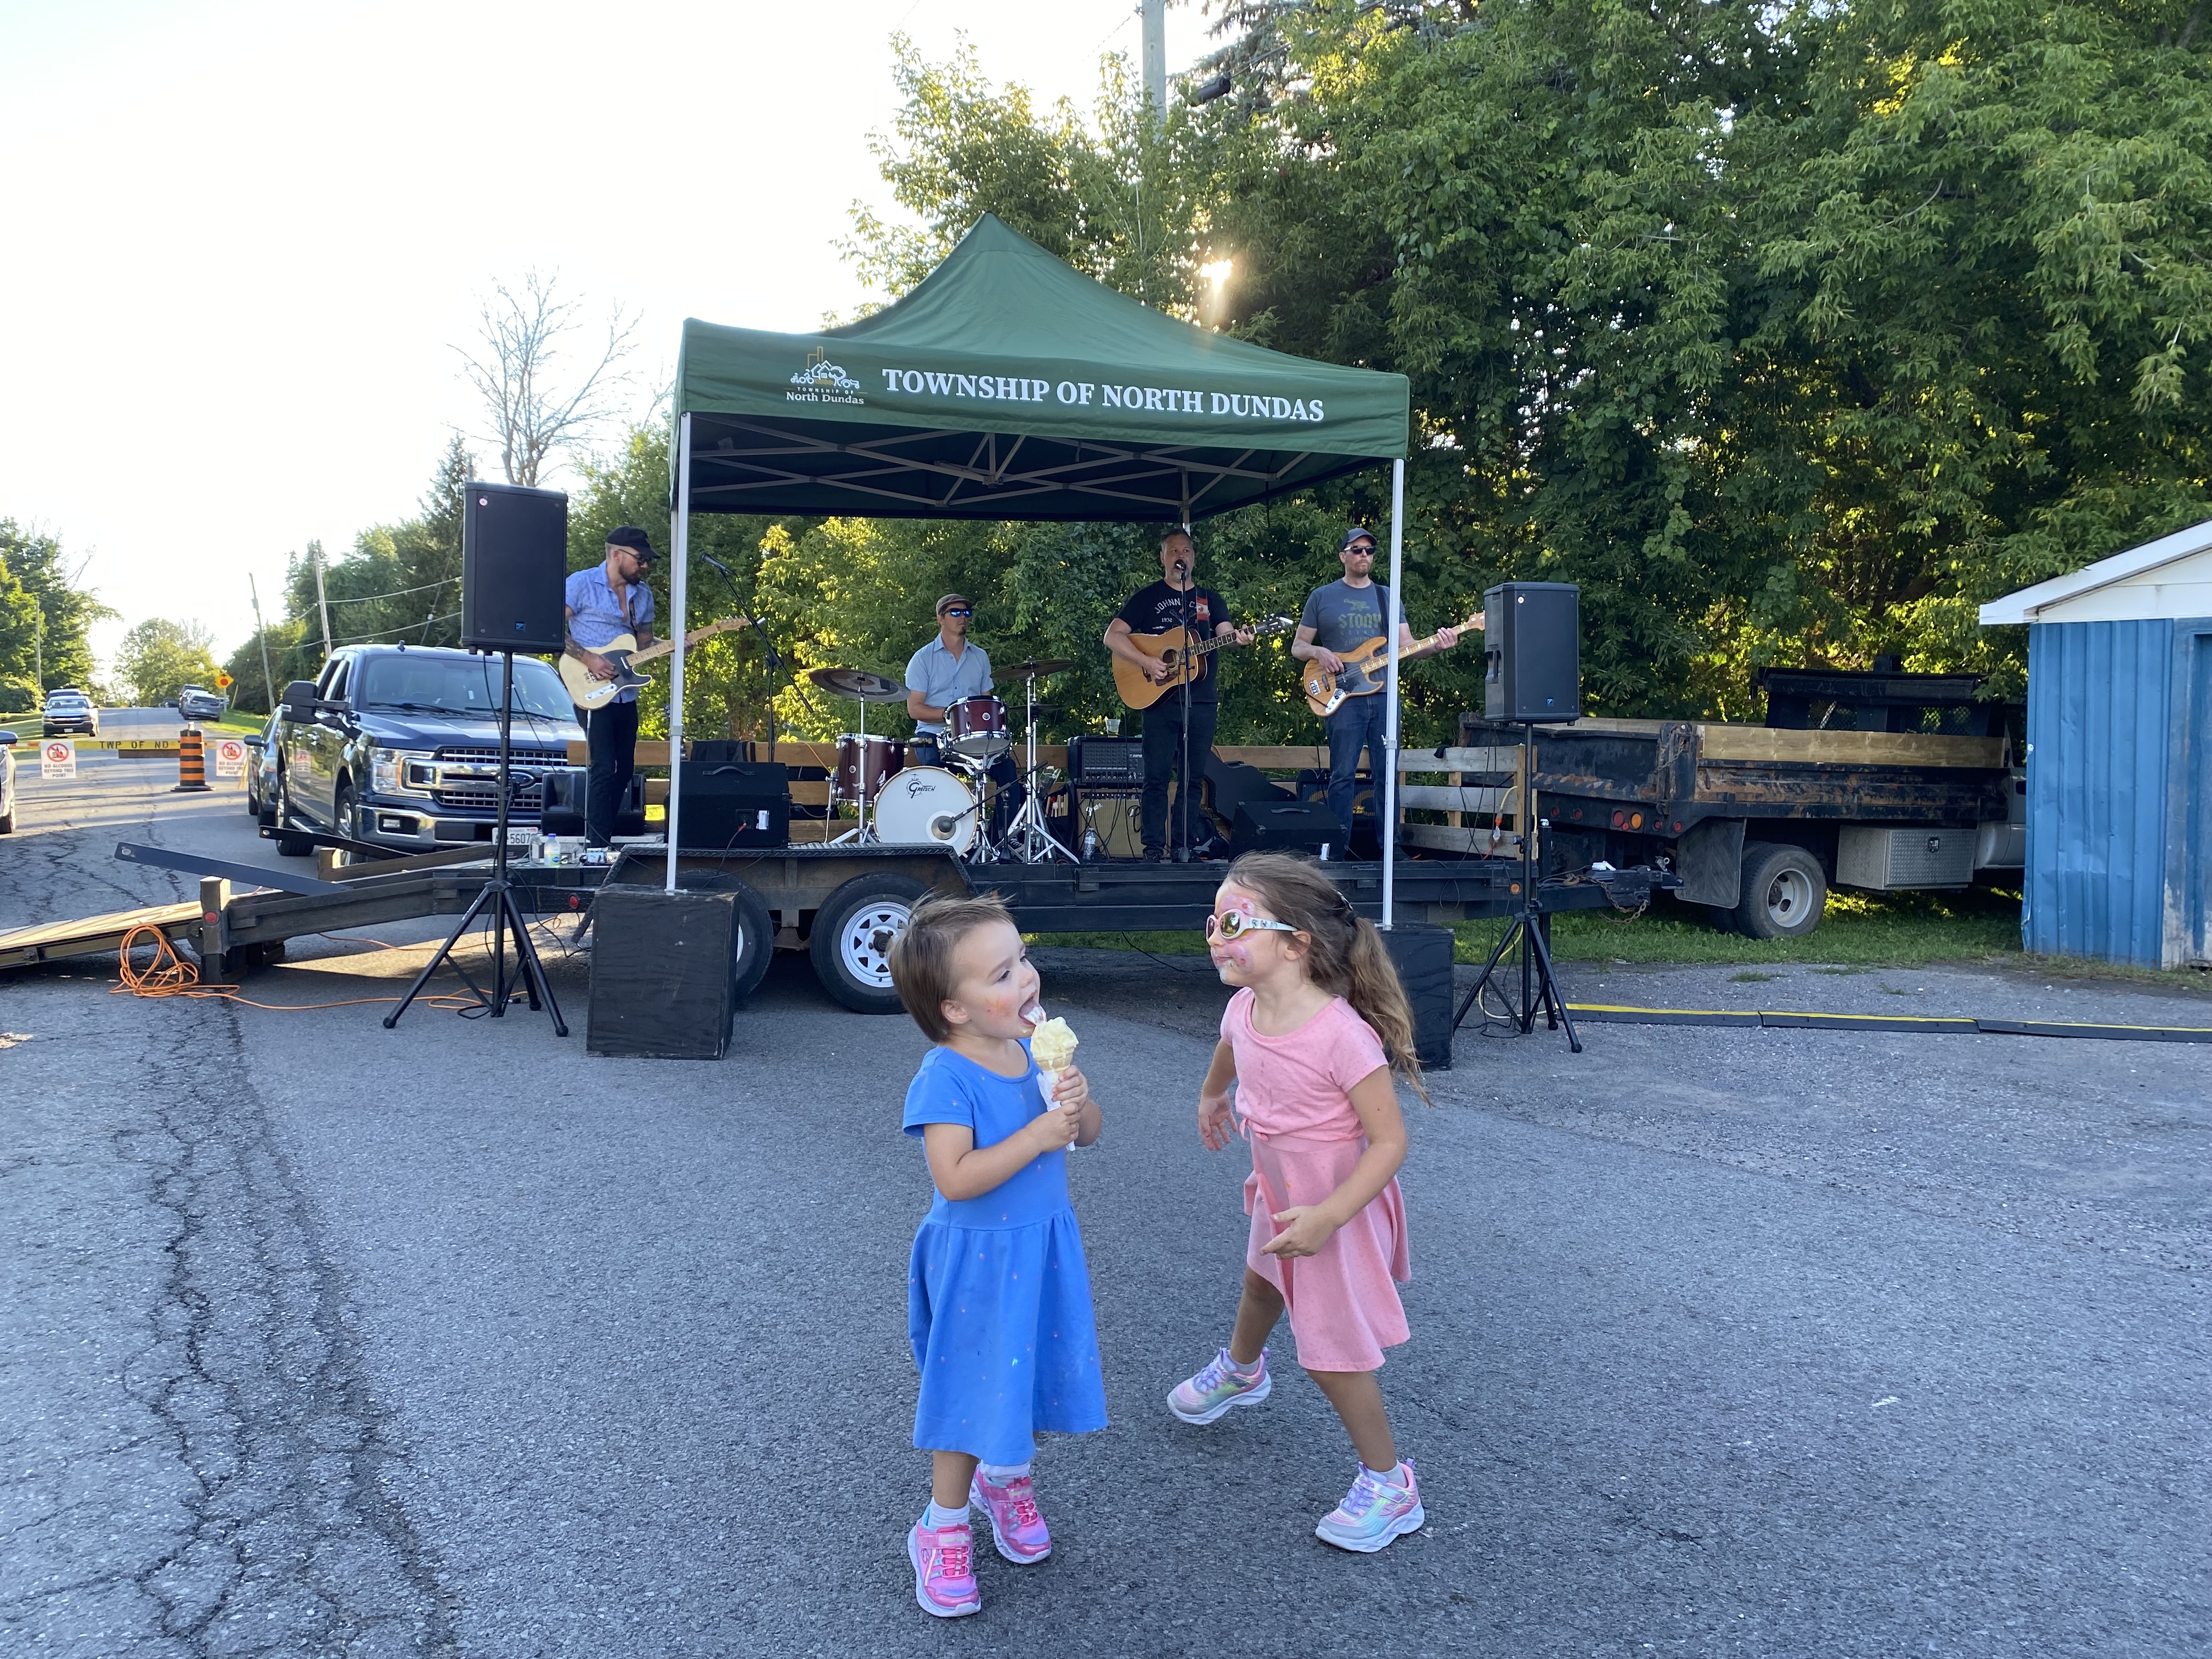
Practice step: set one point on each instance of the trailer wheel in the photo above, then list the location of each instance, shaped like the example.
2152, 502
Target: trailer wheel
754, 947
852, 935
1783, 892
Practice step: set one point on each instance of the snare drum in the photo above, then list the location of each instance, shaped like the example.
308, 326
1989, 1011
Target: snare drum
976, 725
926, 804
863, 763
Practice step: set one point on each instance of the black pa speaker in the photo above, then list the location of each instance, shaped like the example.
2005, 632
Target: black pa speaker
1286, 826
660, 974
1533, 633
734, 804
1422, 953
567, 799
515, 567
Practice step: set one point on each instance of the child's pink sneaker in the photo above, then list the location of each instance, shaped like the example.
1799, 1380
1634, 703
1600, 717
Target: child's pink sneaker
944, 1569
1016, 1526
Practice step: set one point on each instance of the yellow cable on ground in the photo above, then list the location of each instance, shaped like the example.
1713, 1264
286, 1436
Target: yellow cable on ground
170, 975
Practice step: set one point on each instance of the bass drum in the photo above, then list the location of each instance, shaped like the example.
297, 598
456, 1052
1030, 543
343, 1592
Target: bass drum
927, 805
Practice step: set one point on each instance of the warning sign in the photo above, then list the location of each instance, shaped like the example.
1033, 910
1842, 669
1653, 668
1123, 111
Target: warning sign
230, 758
222, 681
58, 757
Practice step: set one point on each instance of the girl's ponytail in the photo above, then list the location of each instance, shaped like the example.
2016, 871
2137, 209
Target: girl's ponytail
1347, 957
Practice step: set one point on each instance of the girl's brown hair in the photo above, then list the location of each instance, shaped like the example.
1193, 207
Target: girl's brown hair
921, 956
1346, 957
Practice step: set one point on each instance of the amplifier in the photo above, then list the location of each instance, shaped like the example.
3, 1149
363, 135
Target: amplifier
1092, 761
734, 804
1115, 816
1286, 826
568, 791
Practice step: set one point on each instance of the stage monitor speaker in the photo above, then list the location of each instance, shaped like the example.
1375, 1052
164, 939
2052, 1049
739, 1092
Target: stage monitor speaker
515, 567
1286, 826
567, 799
1230, 784
1532, 635
734, 804
660, 973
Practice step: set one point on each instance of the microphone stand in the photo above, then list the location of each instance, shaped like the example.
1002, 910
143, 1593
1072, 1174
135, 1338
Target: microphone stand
1182, 788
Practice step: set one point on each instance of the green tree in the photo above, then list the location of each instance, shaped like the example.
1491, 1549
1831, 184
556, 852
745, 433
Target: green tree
159, 658
19, 624
68, 610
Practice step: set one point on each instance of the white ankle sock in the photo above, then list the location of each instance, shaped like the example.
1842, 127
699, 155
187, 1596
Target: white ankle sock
938, 1515
998, 1473
1246, 1371
1392, 1476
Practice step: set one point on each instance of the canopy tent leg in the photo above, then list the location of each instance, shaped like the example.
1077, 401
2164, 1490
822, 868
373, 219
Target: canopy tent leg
1387, 762
679, 542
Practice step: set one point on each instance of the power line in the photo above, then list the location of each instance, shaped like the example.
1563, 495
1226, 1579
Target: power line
403, 628
396, 593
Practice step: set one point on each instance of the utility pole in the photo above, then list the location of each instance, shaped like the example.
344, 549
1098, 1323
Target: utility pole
261, 633
322, 602
1156, 59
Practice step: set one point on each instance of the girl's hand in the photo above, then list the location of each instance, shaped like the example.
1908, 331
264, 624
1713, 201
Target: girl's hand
1072, 1091
1216, 1126
1053, 1131
1305, 1229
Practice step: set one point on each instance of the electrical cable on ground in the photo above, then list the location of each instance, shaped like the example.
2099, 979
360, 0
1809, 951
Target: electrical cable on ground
171, 975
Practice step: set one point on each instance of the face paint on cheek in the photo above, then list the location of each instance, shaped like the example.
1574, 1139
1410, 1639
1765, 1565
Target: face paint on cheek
1240, 953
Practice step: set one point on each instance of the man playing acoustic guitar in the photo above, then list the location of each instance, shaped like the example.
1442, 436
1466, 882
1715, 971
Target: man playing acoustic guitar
1341, 618
604, 602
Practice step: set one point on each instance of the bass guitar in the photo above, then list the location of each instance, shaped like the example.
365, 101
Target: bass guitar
1365, 672
588, 692
1183, 656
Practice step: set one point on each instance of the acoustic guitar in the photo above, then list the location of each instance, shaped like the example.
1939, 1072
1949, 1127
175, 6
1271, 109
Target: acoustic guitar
1365, 671
588, 693
1175, 648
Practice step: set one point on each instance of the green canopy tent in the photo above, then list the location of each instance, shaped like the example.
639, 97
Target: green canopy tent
1007, 385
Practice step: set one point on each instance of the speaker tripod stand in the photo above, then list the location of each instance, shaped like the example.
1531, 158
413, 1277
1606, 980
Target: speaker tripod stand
498, 896
1524, 938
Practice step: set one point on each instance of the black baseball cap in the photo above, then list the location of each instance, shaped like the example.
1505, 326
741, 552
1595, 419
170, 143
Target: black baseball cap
630, 536
1353, 534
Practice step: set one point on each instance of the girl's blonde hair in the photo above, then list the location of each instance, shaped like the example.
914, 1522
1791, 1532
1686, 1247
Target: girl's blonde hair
1346, 957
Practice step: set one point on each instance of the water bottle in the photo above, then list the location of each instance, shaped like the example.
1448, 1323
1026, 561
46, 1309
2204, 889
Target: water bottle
1089, 845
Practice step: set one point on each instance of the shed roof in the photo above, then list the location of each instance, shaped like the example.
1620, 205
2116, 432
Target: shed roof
2171, 577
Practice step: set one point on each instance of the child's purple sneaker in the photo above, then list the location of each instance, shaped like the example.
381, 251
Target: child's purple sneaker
1218, 1387
1378, 1508
944, 1569
1016, 1526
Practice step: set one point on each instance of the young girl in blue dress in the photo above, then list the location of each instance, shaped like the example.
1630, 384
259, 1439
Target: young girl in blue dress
997, 1292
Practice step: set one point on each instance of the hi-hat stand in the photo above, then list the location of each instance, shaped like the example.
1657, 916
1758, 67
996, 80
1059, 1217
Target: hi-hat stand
1027, 838
1539, 987
498, 895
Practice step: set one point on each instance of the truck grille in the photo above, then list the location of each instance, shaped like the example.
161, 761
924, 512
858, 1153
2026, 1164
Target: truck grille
477, 787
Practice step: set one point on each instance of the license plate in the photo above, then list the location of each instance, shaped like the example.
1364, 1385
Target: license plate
518, 837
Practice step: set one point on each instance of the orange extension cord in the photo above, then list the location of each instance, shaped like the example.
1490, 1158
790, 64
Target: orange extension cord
170, 975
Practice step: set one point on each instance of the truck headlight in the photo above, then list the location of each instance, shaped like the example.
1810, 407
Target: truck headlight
401, 771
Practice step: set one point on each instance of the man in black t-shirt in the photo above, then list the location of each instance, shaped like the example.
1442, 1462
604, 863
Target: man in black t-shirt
1176, 601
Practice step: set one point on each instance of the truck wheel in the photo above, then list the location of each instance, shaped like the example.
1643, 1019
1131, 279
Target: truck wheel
852, 935
288, 845
1783, 892
754, 947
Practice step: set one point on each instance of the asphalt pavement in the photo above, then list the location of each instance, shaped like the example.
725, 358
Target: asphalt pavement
318, 1338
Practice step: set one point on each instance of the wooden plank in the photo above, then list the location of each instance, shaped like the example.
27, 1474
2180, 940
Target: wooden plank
1275, 757
1502, 758
1448, 838
93, 936
1770, 743
1444, 798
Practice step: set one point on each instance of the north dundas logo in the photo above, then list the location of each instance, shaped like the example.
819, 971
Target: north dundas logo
824, 382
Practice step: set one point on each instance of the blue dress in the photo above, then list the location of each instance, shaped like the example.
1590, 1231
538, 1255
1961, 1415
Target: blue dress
997, 1292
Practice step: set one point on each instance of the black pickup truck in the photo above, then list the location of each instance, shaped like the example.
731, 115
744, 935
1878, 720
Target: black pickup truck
399, 747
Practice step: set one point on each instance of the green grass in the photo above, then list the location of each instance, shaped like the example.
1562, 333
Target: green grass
1861, 931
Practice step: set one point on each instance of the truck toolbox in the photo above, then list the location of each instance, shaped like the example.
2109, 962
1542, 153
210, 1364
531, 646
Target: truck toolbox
1883, 856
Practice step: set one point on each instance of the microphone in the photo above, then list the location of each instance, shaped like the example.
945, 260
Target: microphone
1182, 567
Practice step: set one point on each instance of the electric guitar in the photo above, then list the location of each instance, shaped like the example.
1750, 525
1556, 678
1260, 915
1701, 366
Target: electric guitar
588, 693
1326, 692
1174, 647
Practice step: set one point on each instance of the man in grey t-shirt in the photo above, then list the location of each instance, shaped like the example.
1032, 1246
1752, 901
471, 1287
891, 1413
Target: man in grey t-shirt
1341, 617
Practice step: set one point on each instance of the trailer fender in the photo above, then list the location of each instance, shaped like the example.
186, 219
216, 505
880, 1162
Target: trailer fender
1708, 858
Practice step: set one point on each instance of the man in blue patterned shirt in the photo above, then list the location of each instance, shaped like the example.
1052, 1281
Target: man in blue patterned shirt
604, 602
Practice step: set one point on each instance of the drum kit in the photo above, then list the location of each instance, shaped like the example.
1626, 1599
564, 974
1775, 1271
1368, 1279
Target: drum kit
948, 804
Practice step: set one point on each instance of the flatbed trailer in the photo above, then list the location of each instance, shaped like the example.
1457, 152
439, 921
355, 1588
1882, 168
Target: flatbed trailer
1759, 821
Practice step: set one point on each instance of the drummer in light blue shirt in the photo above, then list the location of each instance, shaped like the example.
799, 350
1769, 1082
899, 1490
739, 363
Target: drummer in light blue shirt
944, 671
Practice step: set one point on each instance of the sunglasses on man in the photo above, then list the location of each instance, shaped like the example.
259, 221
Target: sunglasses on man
958, 611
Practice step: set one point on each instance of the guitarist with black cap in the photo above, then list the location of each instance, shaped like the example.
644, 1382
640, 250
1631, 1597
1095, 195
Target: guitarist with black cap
1338, 621
604, 602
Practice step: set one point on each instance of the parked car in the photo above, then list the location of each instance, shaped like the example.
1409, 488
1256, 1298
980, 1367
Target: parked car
7, 783
399, 747
197, 702
261, 772
68, 709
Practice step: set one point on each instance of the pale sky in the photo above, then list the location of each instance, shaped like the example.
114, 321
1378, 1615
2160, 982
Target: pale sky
242, 239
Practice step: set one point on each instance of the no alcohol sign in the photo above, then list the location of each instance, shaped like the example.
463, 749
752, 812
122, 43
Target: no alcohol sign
57, 758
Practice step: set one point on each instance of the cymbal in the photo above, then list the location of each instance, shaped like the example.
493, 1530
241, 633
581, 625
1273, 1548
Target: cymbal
858, 685
1036, 668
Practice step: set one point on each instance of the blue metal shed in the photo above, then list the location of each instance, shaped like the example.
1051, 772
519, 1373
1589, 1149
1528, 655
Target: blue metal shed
2119, 755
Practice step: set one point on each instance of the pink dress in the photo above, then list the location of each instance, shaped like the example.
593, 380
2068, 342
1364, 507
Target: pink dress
1293, 1096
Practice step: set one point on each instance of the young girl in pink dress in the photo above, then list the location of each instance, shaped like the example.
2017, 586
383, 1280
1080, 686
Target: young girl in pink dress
1310, 1040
